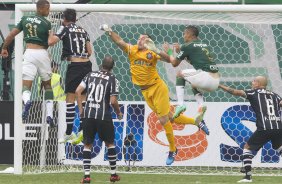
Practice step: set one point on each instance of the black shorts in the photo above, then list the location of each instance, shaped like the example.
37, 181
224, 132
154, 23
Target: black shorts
76, 71
260, 137
105, 130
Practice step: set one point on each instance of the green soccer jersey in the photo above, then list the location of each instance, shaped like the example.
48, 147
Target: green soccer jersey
35, 29
198, 53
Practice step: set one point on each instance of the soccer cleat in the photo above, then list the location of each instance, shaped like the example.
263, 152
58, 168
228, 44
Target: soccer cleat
114, 178
171, 157
85, 180
246, 179
78, 138
179, 109
202, 125
26, 109
50, 121
200, 115
67, 138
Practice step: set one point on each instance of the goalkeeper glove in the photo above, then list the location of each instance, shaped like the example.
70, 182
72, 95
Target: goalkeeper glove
149, 44
105, 27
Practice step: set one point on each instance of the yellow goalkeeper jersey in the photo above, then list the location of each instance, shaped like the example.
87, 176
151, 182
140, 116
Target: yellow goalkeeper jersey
142, 65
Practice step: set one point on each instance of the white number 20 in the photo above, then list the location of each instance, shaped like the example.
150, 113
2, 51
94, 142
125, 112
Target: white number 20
98, 93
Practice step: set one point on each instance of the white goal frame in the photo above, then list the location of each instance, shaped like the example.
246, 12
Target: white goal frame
20, 8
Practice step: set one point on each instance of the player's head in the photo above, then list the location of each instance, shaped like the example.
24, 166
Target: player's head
190, 33
69, 15
43, 7
259, 82
108, 63
141, 40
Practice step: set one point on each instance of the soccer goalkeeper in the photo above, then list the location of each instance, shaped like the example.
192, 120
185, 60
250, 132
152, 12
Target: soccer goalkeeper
144, 74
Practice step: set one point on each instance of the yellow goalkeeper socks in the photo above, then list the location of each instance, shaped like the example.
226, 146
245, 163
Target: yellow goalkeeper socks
182, 119
170, 136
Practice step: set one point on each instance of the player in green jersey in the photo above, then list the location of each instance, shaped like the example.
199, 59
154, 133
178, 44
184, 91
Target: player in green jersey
203, 77
36, 58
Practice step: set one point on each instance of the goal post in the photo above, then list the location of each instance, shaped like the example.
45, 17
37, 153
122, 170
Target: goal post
245, 39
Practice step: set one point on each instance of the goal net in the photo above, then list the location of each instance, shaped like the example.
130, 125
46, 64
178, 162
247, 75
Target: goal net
245, 41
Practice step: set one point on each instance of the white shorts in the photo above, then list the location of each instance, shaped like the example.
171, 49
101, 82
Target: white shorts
36, 61
200, 79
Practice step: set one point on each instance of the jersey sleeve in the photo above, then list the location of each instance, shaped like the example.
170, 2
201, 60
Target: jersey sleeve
250, 93
19, 25
183, 53
128, 49
87, 37
61, 32
114, 87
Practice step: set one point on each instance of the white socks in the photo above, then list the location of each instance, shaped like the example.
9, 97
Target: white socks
199, 99
26, 96
49, 108
180, 94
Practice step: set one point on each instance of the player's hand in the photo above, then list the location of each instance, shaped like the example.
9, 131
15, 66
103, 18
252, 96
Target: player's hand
81, 115
166, 46
120, 116
176, 47
4, 53
149, 44
105, 27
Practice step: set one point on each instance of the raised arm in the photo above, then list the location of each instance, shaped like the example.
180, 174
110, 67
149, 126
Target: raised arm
165, 54
114, 36
233, 91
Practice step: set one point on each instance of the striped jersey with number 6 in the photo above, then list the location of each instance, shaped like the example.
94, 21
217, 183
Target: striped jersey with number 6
100, 86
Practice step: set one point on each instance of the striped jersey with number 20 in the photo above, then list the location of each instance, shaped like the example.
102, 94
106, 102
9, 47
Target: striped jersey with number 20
100, 86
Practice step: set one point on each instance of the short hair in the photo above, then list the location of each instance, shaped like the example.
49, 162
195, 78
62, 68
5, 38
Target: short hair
42, 3
70, 15
108, 63
193, 29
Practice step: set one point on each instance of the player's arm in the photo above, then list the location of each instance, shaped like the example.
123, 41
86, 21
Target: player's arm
114, 36
114, 97
166, 55
115, 105
8, 41
52, 39
89, 48
233, 91
78, 93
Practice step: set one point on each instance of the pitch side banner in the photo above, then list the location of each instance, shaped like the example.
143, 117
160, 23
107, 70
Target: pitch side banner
140, 137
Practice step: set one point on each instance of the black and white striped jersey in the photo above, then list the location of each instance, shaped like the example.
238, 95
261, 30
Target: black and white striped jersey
100, 86
266, 107
74, 40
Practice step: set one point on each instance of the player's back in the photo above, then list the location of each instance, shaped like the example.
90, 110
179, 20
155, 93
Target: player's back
100, 85
265, 103
36, 29
199, 54
74, 40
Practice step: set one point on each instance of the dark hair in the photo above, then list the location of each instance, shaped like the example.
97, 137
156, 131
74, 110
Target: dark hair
108, 63
70, 15
42, 3
193, 29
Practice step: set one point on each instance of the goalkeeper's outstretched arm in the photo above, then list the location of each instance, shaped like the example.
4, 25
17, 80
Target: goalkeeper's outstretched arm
233, 91
114, 36
166, 54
